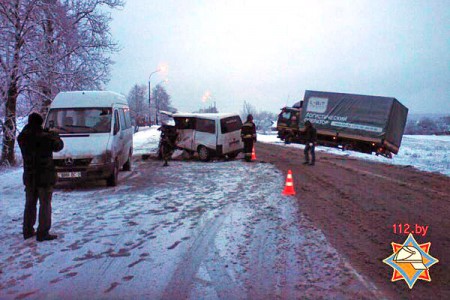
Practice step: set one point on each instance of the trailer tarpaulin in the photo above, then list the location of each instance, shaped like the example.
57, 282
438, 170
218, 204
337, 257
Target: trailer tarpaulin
359, 115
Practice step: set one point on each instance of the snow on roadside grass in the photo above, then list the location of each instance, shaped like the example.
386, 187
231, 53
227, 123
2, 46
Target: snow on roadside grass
145, 141
425, 152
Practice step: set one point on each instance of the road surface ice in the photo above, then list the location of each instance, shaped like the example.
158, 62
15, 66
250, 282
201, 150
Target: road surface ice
192, 230
429, 153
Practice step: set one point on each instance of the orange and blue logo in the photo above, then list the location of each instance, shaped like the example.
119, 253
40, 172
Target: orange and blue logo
411, 261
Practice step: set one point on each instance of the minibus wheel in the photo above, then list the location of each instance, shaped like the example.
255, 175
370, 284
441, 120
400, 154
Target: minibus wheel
127, 165
232, 155
203, 153
114, 178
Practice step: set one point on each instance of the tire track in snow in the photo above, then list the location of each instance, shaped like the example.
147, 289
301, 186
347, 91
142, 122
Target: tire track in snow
183, 277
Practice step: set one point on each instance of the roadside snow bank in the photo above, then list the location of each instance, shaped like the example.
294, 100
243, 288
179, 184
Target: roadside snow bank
145, 141
425, 152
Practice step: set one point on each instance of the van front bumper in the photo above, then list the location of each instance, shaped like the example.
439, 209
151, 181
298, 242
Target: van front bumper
91, 172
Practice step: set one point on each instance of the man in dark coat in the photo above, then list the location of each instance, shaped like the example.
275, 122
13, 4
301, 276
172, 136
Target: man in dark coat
167, 142
311, 140
37, 146
248, 135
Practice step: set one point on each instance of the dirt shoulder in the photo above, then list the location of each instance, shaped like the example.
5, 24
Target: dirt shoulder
356, 203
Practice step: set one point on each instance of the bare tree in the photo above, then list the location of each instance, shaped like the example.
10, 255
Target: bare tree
137, 100
162, 100
247, 109
264, 120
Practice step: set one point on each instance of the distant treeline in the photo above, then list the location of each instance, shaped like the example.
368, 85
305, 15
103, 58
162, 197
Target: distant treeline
429, 125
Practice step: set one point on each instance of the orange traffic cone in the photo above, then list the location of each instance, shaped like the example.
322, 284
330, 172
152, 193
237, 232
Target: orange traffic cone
253, 153
289, 187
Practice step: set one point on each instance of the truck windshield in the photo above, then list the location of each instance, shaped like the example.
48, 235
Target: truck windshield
80, 120
285, 115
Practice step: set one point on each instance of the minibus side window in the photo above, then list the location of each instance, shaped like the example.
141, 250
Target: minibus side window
116, 122
230, 124
127, 118
204, 125
122, 119
184, 123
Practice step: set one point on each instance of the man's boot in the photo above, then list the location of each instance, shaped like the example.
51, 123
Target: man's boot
27, 235
46, 237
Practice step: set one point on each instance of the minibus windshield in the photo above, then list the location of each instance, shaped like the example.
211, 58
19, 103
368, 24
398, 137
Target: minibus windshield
79, 120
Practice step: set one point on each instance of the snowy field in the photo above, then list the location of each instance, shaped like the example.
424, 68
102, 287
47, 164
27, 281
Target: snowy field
425, 152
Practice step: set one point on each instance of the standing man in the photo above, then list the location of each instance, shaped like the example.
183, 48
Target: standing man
39, 176
248, 135
311, 139
167, 142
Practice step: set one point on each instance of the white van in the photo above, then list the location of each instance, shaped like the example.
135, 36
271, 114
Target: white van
97, 133
210, 135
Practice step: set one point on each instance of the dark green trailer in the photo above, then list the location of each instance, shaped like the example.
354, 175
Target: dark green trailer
359, 122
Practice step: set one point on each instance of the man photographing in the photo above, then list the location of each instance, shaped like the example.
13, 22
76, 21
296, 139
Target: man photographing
39, 176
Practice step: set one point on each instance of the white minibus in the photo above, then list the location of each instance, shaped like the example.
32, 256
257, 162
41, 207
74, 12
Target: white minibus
209, 134
97, 133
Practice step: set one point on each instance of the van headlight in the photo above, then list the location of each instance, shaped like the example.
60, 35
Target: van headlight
105, 157
98, 160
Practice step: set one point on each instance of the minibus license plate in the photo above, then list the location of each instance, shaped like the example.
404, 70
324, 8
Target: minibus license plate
69, 174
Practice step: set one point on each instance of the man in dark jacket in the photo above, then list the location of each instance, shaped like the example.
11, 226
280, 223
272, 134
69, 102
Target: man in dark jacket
39, 176
167, 142
248, 135
311, 139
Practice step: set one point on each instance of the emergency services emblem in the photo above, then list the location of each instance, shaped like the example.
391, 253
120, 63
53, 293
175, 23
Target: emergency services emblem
411, 261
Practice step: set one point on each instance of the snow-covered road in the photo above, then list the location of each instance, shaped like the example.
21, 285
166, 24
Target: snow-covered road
192, 230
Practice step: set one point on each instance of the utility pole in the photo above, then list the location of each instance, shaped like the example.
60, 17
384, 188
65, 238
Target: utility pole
149, 102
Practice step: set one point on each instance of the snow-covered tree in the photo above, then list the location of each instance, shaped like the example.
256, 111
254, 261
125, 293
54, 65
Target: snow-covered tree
17, 28
49, 46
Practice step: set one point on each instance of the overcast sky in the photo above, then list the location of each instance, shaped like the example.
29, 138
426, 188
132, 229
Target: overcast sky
269, 52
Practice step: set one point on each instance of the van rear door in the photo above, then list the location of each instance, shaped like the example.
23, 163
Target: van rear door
230, 134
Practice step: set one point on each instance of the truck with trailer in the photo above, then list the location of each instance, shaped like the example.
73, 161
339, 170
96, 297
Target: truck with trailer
368, 124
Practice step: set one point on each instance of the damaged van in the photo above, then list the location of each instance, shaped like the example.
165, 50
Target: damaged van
209, 134
97, 133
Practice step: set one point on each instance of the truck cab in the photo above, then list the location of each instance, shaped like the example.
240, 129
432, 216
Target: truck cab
288, 122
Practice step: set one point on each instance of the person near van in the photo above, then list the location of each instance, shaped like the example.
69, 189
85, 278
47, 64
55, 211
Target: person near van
37, 146
311, 140
248, 135
167, 144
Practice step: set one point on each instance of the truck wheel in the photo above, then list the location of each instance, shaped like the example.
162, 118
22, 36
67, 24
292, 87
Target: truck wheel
127, 165
288, 139
203, 153
114, 178
347, 147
